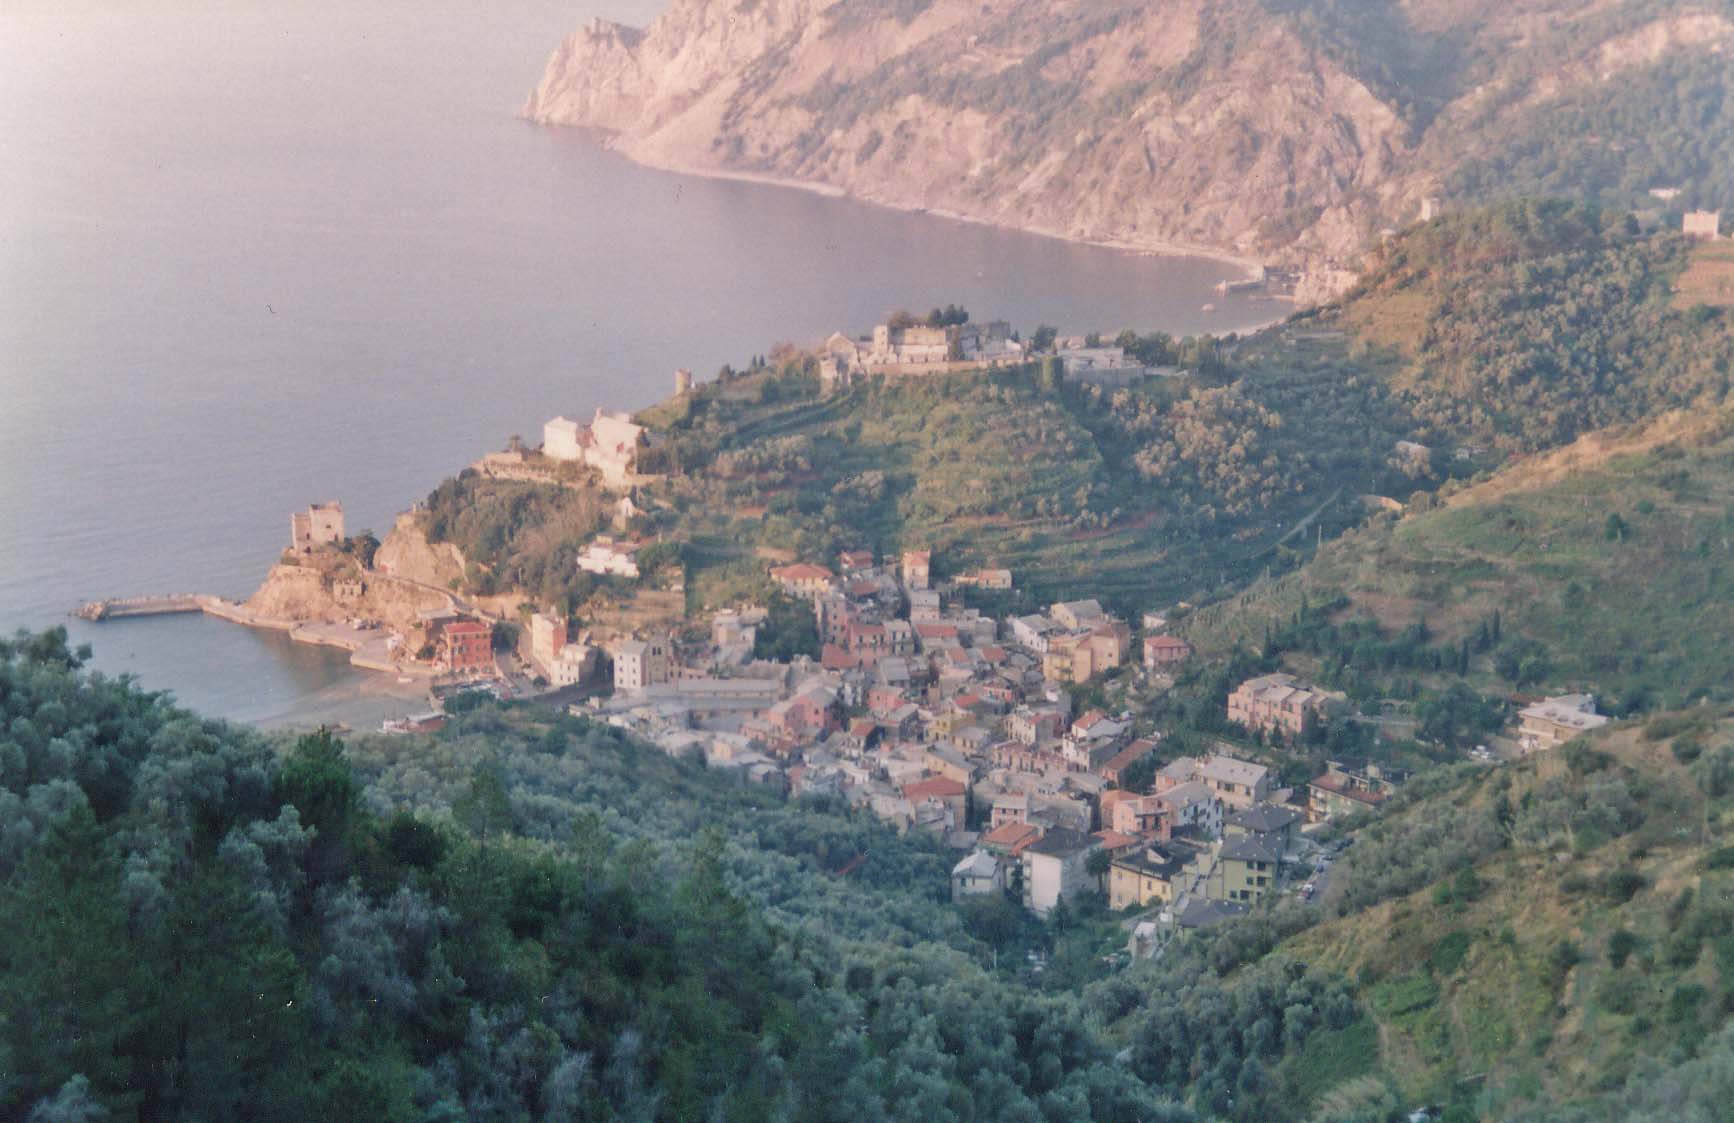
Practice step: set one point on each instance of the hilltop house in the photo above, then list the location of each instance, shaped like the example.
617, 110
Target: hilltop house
610, 444
1557, 720
979, 872
1163, 653
986, 579
1704, 225
804, 580
609, 557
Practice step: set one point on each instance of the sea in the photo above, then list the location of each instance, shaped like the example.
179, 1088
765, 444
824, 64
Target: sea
256, 255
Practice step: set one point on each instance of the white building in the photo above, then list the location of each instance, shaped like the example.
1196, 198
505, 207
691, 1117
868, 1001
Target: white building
1557, 720
1706, 225
609, 557
561, 439
980, 872
547, 637
1054, 869
639, 664
575, 663
610, 443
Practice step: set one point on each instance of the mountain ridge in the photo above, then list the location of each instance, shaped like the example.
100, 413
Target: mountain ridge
1253, 128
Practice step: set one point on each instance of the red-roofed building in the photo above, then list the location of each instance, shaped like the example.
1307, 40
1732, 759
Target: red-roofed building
467, 646
804, 579
1116, 843
1164, 652
834, 658
931, 634
1011, 838
854, 561
868, 637
943, 790
1127, 757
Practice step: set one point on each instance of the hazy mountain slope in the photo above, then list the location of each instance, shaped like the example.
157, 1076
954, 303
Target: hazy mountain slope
1256, 126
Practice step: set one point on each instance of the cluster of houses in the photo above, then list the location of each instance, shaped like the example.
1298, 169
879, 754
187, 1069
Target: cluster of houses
915, 348
935, 717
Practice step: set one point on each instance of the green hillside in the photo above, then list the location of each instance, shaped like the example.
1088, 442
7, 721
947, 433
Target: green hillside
1538, 941
1176, 487
1607, 564
532, 917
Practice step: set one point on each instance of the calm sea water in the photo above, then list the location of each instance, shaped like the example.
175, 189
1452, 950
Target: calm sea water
256, 255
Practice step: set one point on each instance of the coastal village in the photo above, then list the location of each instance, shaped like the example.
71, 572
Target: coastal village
918, 708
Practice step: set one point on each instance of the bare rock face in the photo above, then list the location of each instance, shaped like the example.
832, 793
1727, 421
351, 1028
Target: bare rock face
407, 553
1253, 127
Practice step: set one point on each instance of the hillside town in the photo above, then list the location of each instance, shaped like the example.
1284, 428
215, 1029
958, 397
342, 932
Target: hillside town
934, 717
921, 709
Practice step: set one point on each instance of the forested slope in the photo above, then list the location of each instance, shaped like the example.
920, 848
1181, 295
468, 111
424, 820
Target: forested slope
1583, 541
525, 918
1551, 940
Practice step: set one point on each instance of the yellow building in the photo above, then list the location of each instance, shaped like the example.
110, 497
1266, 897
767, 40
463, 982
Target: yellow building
1157, 872
1245, 870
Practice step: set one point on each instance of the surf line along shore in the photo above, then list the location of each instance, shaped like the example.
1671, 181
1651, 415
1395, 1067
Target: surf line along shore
369, 648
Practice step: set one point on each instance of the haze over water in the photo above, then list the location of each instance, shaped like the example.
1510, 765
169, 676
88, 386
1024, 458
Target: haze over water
255, 255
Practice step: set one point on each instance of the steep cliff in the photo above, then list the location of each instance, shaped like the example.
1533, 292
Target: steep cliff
1259, 127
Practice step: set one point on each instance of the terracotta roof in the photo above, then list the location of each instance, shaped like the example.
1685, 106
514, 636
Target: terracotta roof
1359, 795
938, 787
802, 571
1014, 835
1129, 756
834, 658
466, 628
1114, 840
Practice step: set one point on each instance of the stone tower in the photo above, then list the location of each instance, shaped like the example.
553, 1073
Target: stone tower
682, 381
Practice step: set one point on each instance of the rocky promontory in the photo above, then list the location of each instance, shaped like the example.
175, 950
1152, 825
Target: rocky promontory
1257, 128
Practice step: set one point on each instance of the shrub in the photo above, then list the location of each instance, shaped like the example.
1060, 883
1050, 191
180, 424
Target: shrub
1621, 945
